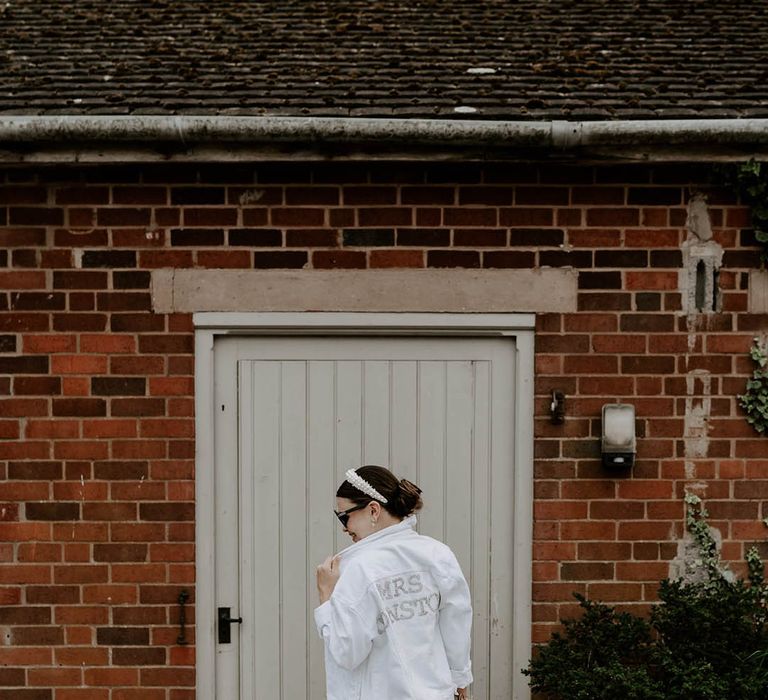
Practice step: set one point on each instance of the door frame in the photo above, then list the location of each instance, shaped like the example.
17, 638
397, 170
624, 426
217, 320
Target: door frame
210, 325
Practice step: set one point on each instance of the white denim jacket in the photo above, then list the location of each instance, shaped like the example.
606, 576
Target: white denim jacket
397, 626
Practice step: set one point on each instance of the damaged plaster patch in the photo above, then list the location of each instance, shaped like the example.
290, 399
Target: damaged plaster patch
698, 406
702, 259
688, 565
698, 222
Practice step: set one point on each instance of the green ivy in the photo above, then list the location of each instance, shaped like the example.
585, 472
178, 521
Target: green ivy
706, 640
750, 181
755, 399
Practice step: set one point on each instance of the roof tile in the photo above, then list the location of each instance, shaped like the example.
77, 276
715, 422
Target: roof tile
574, 59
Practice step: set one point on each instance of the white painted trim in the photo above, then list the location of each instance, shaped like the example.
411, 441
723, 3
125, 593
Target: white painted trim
363, 323
205, 589
523, 521
210, 325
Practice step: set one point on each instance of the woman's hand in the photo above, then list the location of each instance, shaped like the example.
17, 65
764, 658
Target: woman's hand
461, 693
327, 577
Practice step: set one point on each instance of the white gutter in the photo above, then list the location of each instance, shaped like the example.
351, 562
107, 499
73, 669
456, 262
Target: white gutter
86, 138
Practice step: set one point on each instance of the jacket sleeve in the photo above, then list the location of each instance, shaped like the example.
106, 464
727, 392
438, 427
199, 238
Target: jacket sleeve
455, 615
347, 629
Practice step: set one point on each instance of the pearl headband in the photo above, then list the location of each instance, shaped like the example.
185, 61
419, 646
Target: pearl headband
362, 485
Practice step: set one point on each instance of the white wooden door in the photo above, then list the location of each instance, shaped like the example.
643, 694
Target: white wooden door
293, 414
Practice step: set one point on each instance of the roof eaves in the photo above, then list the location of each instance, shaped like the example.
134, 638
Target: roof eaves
70, 138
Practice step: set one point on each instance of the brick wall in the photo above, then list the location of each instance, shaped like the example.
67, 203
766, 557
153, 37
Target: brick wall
96, 391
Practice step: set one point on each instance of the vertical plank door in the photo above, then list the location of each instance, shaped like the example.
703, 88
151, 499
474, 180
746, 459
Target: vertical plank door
438, 411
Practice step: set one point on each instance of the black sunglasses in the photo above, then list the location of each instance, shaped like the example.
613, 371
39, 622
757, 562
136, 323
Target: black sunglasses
344, 515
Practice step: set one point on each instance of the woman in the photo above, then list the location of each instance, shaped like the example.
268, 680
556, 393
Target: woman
395, 612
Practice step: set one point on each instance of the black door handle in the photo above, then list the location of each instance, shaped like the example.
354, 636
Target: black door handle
224, 621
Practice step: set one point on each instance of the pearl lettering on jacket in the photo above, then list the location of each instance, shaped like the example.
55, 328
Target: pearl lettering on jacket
412, 598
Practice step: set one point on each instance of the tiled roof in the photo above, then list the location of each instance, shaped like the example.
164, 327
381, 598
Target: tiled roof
484, 59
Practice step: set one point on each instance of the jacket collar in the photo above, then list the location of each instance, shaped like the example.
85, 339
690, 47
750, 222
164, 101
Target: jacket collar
406, 525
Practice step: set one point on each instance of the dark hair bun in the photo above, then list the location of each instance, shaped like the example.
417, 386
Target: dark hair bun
406, 499
403, 497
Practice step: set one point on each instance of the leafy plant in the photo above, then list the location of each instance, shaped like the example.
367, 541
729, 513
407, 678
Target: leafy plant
705, 640
750, 181
601, 656
754, 400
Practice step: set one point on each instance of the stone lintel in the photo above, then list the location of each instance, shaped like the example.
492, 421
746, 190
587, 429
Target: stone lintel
457, 291
758, 291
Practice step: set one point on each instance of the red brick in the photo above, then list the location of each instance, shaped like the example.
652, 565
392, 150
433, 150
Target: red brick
429, 195
588, 531
82, 615
125, 216
590, 364
22, 280
109, 428
616, 510
35, 216
79, 407
141, 491
466, 216
554, 551
210, 216
635, 280
397, 258
9, 429
167, 511
120, 552
556, 591
559, 510
139, 573
138, 656
151, 259
598, 195
112, 594
78, 364
485, 195
52, 428
586, 571
51, 677
24, 450
641, 571
109, 511
161, 344
139, 195
223, 259
17, 236
75, 386
453, 258
652, 238
167, 677
85, 573
613, 217
655, 531
338, 259
302, 217
524, 216
311, 195
139, 449
49, 343
162, 427
614, 592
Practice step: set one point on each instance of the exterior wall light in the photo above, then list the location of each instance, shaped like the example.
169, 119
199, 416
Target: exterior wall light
618, 447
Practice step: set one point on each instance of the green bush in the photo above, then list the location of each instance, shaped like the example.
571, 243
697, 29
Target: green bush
706, 639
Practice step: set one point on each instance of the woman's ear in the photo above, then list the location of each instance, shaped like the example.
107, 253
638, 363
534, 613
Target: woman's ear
375, 507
